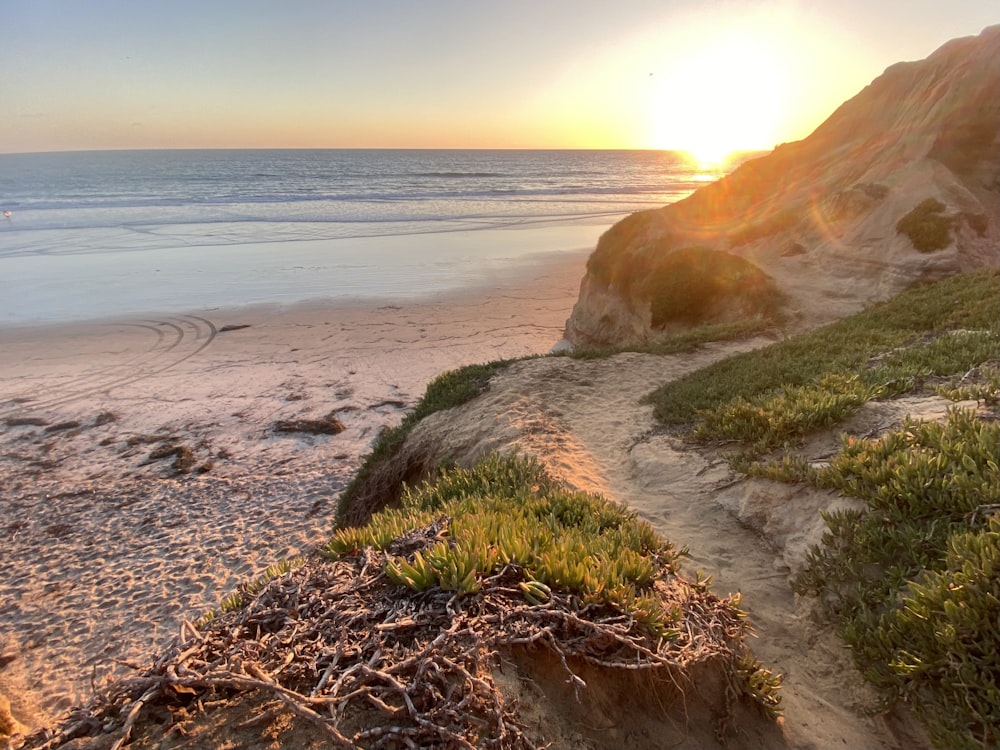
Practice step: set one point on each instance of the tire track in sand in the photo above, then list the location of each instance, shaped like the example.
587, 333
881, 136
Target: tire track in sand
176, 341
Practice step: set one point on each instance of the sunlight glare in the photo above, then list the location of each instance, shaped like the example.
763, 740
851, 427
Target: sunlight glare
729, 95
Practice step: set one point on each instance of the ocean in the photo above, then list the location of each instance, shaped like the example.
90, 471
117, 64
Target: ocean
111, 233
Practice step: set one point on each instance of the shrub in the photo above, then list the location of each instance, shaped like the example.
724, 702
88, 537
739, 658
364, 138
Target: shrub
926, 226
944, 637
507, 510
506, 523
770, 420
981, 384
698, 285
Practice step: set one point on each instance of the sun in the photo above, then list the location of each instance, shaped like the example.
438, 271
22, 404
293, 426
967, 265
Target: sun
727, 95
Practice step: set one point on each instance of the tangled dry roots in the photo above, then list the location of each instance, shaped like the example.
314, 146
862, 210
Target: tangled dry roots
372, 664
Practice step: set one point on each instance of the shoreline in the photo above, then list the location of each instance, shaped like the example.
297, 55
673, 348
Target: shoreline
59, 285
110, 546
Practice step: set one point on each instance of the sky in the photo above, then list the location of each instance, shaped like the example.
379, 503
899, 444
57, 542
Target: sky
707, 76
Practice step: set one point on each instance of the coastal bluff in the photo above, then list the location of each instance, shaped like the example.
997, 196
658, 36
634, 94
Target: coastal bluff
901, 184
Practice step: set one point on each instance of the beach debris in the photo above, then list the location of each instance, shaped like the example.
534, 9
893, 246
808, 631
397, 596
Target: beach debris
105, 417
183, 456
328, 425
58, 530
26, 422
233, 327
61, 426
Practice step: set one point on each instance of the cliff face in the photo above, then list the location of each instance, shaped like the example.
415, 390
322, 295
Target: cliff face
820, 215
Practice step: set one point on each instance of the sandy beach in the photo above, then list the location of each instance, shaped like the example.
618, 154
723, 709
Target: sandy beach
143, 477
146, 474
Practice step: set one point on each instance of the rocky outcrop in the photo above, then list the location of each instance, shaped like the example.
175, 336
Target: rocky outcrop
820, 216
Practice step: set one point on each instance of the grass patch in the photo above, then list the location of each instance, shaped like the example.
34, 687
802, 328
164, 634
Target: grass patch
791, 468
772, 419
446, 391
929, 331
927, 226
913, 580
980, 384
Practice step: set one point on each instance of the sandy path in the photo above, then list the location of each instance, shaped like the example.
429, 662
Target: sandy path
584, 420
104, 550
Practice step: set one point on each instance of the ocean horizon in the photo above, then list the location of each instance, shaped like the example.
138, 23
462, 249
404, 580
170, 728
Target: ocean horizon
93, 234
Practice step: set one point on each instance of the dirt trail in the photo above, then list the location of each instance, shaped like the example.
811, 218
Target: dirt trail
586, 422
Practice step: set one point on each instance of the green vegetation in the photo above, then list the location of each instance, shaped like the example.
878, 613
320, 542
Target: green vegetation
688, 340
698, 285
238, 598
913, 579
684, 286
507, 515
926, 226
929, 332
617, 256
507, 511
980, 384
772, 419
446, 391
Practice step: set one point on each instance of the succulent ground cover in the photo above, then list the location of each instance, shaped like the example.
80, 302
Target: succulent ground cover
929, 337
390, 637
927, 226
912, 579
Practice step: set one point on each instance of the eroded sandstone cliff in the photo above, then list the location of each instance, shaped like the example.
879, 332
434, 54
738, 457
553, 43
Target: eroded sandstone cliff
821, 216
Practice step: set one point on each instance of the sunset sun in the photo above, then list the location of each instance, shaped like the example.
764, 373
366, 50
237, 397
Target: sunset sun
728, 96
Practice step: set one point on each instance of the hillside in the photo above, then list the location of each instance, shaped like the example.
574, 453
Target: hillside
822, 216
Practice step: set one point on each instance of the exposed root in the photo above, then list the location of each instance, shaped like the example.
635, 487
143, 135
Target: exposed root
371, 664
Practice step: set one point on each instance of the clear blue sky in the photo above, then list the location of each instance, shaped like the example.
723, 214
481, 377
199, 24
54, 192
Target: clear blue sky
700, 74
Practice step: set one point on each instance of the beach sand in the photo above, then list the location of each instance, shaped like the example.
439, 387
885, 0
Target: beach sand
108, 547
142, 475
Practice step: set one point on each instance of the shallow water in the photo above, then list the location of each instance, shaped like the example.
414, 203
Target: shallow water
93, 234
